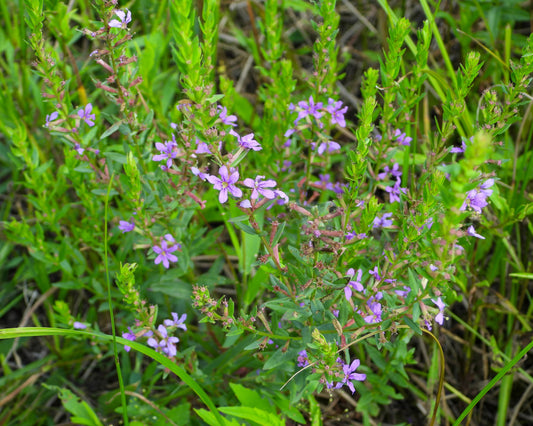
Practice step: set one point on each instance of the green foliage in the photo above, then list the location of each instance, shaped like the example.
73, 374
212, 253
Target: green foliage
275, 316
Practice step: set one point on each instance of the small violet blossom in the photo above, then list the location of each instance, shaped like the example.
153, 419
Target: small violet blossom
129, 336
126, 226
226, 183
395, 191
164, 252
247, 141
395, 171
308, 108
229, 120
261, 187
78, 148
350, 374
303, 359
79, 325
176, 322
202, 148
85, 115
382, 222
124, 18
329, 146
402, 138
51, 117
477, 198
472, 232
356, 285
166, 152
375, 309
439, 318
337, 112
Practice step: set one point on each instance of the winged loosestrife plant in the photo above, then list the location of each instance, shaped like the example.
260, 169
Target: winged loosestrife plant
311, 248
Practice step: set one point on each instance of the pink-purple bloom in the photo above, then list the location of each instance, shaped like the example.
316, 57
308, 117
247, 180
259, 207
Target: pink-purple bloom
202, 147
355, 285
229, 120
350, 374
337, 112
472, 232
176, 322
261, 186
329, 146
395, 171
124, 18
226, 183
247, 141
309, 108
126, 226
395, 191
85, 115
51, 117
167, 152
402, 138
382, 222
303, 359
164, 252
439, 318
477, 198
129, 336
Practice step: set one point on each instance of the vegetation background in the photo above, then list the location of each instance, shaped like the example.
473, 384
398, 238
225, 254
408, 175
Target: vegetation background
53, 263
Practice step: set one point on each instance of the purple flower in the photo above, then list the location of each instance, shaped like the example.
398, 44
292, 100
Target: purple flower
176, 322
124, 19
78, 148
166, 152
51, 117
309, 108
337, 114
375, 273
402, 138
350, 374
79, 325
472, 232
196, 172
395, 191
226, 183
85, 115
439, 318
457, 150
324, 181
303, 359
226, 119
245, 204
477, 198
126, 226
129, 336
382, 222
247, 141
403, 293
283, 198
165, 252
261, 187
167, 343
395, 171
356, 285
329, 146
202, 148
375, 309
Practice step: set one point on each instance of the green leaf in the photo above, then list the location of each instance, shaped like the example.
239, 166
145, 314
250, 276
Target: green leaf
261, 417
412, 325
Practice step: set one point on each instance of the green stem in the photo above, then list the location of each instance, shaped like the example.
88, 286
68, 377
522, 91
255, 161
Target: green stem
111, 315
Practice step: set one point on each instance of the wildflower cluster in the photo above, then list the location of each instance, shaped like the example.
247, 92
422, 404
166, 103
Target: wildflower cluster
160, 338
